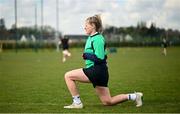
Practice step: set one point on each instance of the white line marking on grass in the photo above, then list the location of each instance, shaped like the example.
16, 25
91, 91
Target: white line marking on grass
29, 104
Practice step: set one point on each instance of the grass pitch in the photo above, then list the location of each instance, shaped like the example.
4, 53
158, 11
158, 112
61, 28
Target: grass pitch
34, 82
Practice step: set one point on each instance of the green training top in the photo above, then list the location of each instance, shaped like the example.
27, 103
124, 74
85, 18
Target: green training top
95, 45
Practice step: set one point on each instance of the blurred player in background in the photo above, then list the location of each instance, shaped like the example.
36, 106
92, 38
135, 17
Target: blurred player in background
65, 48
164, 45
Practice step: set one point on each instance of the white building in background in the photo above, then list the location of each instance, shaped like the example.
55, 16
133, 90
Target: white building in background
26, 39
128, 38
33, 38
23, 39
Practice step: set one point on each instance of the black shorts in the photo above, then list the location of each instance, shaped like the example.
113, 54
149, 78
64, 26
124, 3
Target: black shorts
98, 75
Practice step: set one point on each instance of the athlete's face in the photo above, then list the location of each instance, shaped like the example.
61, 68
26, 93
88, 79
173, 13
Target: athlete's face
89, 28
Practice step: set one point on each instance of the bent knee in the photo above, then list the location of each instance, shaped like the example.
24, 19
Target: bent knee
67, 75
106, 103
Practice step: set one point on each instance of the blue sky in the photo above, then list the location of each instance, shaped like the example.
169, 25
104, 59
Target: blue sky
72, 13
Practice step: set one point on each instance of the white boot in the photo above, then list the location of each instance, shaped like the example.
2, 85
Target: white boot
74, 105
138, 100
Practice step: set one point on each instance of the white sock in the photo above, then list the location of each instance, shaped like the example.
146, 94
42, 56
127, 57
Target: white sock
64, 59
76, 99
132, 96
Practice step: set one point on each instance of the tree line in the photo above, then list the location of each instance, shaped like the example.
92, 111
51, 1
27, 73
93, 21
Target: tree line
140, 33
47, 32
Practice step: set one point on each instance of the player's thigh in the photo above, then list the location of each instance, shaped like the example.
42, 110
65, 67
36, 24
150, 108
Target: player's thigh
77, 75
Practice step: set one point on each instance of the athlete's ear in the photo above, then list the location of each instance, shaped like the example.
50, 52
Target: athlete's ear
93, 25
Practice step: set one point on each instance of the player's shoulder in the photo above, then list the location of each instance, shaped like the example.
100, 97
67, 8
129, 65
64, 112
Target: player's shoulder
99, 37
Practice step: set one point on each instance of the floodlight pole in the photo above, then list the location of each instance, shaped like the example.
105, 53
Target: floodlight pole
57, 26
35, 15
15, 25
42, 20
35, 27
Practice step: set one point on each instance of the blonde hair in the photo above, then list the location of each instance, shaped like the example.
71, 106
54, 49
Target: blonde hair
96, 20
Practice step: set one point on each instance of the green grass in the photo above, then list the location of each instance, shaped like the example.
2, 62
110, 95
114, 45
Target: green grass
33, 82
